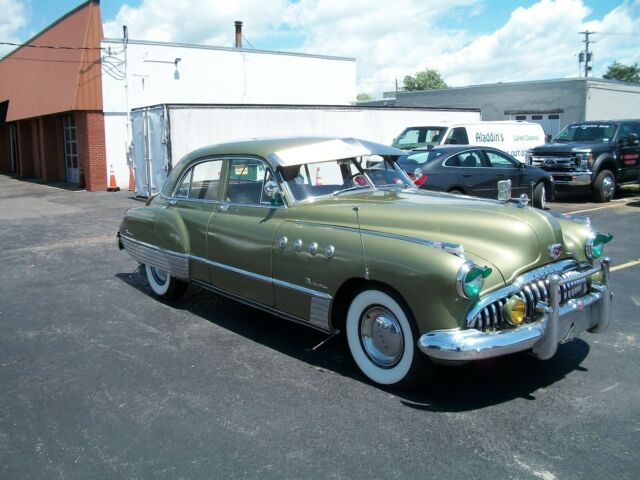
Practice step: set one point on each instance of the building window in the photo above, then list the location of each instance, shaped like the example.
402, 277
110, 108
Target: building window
554, 117
536, 117
70, 149
521, 117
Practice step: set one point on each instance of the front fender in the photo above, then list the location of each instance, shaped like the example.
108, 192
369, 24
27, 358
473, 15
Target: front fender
425, 277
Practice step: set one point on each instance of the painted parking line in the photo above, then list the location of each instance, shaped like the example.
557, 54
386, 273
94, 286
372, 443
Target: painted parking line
611, 205
632, 263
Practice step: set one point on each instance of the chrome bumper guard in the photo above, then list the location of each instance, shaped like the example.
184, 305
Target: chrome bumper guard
578, 179
558, 324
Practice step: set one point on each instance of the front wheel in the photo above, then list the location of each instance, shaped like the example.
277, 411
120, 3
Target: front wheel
604, 187
163, 284
540, 196
382, 339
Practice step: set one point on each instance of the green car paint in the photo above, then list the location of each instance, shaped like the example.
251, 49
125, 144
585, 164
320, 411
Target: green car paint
304, 260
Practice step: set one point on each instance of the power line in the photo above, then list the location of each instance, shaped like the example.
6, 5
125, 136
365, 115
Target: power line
53, 47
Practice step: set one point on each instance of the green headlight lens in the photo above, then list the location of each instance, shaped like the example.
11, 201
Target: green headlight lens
595, 244
471, 278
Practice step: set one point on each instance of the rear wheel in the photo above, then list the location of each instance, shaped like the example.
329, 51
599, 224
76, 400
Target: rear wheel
604, 187
382, 339
540, 196
455, 191
163, 284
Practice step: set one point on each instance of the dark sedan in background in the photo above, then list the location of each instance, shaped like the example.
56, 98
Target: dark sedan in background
474, 170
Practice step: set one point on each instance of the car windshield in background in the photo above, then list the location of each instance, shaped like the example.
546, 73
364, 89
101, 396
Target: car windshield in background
418, 159
335, 177
589, 132
415, 137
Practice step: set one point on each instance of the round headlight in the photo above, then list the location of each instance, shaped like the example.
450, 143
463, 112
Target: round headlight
514, 311
470, 279
595, 244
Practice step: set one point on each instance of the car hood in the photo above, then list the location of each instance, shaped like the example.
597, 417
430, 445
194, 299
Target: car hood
508, 238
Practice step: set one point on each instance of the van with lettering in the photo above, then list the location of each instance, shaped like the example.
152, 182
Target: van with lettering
513, 137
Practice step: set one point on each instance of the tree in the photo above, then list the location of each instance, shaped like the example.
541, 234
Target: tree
363, 97
428, 79
626, 73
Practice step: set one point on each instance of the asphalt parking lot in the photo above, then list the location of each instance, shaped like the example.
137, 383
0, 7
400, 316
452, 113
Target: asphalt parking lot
100, 380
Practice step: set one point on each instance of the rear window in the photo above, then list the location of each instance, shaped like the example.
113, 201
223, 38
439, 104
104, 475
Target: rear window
419, 158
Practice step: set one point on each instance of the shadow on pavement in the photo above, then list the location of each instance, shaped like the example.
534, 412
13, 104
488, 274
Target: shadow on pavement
472, 386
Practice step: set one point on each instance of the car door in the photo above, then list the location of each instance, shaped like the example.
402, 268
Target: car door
471, 173
629, 152
241, 230
189, 209
505, 167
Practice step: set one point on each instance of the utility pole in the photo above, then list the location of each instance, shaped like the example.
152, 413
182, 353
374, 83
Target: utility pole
587, 53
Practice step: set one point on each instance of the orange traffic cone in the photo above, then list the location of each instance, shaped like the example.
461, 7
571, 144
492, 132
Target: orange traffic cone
318, 176
132, 179
113, 186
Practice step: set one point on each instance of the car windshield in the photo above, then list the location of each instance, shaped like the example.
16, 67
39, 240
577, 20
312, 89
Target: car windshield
415, 137
587, 132
336, 177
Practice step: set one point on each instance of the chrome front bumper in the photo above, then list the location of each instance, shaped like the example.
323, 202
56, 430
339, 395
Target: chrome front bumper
578, 179
558, 324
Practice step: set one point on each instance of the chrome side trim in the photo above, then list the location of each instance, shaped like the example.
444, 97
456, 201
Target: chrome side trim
175, 263
323, 328
263, 278
454, 248
319, 312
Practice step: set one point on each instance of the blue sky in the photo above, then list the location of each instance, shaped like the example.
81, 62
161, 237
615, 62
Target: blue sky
468, 41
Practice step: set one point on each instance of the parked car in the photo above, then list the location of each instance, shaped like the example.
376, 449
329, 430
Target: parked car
514, 137
332, 234
475, 170
592, 156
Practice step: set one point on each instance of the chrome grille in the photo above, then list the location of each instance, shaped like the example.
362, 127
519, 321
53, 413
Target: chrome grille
490, 317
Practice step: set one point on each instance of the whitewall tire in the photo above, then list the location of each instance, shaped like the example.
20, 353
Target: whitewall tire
163, 284
382, 340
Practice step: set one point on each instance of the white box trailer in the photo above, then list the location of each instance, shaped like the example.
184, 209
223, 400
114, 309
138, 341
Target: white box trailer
163, 134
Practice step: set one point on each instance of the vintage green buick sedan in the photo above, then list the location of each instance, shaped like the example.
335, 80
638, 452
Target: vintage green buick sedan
330, 233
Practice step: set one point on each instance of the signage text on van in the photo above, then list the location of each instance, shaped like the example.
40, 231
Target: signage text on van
526, 138
489, 137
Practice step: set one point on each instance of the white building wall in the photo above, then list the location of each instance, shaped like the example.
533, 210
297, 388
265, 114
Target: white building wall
192, 128
208, 75
608, 101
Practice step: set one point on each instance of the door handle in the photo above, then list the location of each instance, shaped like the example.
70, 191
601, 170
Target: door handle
173, 201
223, 208
499, 174
466, 174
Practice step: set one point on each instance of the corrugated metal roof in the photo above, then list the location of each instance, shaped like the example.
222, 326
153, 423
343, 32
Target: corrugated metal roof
42, 81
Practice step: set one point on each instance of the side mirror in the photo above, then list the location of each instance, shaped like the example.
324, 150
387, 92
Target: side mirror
271, 189
631, 139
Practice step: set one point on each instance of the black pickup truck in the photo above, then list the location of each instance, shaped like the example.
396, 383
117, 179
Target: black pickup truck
594, 155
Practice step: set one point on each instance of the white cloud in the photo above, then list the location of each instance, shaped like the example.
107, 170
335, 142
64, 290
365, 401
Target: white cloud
13, 18
393, 38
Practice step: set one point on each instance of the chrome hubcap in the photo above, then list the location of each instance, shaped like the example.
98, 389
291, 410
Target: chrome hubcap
543, 197
608, 186
381, 336
159, 275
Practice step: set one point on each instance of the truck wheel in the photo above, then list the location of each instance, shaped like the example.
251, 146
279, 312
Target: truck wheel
540, 196
604, 187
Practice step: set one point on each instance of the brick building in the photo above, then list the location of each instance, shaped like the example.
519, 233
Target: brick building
51, 119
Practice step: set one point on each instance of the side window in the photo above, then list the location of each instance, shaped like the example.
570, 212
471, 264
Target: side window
499, 160
183, 188
471, 159
205, 180
458, 136
247, 177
